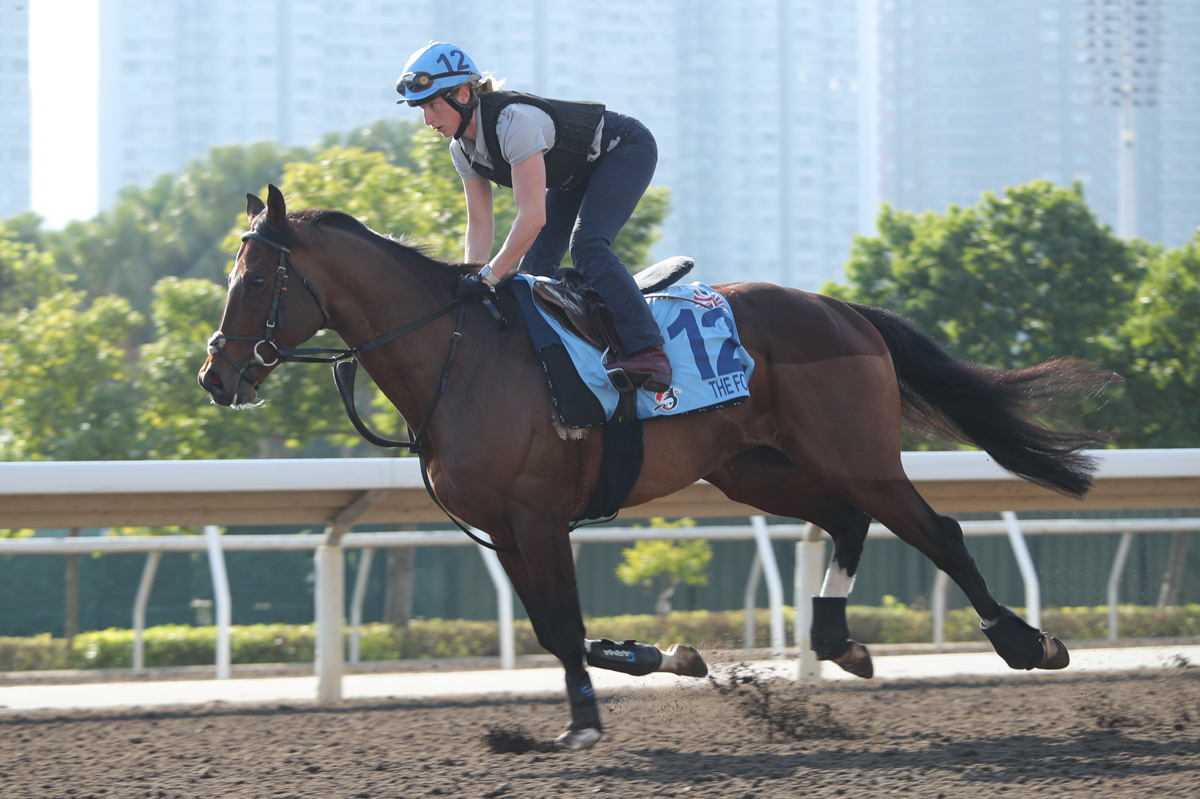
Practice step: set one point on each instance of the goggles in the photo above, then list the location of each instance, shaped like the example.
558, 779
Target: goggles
417, 82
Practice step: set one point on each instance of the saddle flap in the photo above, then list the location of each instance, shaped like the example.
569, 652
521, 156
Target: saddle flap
578, 307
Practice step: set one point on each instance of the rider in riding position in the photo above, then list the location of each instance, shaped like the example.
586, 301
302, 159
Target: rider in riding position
576, 170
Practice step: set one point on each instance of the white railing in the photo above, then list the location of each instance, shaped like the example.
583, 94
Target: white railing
809, 567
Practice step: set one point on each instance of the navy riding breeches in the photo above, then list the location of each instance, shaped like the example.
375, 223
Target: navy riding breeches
588, 217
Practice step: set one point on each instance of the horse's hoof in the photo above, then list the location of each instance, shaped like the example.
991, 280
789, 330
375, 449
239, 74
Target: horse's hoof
1057, 656
857, 661
578, 740
683, 660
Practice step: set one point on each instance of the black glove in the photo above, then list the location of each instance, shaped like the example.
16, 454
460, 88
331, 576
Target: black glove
472, 285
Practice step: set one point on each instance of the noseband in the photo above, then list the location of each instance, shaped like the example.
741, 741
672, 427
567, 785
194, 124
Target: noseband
345, 361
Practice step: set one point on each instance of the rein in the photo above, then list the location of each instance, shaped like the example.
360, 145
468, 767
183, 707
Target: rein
345, 362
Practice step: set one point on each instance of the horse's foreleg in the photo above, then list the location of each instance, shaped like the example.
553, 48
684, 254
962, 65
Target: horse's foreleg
543, 575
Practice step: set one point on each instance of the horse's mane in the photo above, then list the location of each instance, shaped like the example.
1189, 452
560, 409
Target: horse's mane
402, 248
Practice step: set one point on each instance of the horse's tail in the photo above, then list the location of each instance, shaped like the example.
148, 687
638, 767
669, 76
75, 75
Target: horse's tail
990, 408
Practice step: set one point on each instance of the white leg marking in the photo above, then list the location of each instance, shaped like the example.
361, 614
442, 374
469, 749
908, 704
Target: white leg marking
837, 582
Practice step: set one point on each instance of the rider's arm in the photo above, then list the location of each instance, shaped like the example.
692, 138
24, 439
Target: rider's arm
529, 195
481, 224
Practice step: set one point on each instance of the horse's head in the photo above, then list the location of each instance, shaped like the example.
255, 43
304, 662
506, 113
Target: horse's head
259, 322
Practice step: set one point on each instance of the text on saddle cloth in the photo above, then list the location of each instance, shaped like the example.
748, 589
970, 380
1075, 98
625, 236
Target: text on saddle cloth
711, 367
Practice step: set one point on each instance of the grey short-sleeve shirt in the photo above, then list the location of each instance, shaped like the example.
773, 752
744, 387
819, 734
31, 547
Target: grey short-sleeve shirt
523, 130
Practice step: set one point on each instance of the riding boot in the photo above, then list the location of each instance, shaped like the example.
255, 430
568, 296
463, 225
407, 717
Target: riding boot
649, 368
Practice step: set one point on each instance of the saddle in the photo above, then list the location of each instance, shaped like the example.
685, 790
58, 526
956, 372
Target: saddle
578, 307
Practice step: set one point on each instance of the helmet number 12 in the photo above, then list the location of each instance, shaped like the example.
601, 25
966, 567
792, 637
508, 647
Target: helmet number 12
462, 61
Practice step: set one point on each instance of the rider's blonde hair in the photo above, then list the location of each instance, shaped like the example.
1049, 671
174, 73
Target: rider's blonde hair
486, 84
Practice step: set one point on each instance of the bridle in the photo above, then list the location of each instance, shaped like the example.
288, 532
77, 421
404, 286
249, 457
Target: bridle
345, 361
216, 342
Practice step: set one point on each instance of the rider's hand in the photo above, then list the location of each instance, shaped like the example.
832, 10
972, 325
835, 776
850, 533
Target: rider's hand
472, 285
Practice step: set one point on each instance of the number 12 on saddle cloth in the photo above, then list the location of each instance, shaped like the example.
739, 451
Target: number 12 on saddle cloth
711, 368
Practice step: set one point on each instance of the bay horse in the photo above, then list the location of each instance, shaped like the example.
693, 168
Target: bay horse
819, 438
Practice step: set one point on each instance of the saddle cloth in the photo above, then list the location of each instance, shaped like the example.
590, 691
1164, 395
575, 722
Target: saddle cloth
711, 368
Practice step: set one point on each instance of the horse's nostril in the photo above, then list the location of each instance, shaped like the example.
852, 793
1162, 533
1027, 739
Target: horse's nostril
213, 379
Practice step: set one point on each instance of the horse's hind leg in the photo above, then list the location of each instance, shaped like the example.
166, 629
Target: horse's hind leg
905, 512
768, 480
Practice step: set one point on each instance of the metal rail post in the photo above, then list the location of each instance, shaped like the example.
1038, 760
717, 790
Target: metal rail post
1114, 583
139, 609
766, 552
810, 566
938, 602
504, 607
1033, 589
330, 567
751, 594
360, 591
330, 572
221, 597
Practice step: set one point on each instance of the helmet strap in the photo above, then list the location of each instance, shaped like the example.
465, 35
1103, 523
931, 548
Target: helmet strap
466, 110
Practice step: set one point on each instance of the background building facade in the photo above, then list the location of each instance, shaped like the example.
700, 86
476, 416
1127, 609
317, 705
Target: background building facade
781, 123
753, 104
976, 96
15, 149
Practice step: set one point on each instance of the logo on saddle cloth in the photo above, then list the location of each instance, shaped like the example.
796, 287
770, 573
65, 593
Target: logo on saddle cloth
668, 400
706, 297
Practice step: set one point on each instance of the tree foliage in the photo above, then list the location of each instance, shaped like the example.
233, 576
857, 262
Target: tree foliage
1158, 350
1010, 282
66, 380
103, 324
1032, 275
665, 565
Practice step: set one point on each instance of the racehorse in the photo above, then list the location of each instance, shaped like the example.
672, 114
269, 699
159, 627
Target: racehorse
818, 439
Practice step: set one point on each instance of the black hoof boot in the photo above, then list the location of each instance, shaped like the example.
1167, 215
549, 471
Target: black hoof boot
1024, 647
628, 657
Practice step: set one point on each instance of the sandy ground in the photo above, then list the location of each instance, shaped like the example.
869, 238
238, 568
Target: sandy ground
1119, 735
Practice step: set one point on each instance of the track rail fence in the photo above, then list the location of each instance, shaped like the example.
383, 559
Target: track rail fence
809, 570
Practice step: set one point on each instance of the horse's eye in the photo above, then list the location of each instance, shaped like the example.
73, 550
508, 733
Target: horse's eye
257, 282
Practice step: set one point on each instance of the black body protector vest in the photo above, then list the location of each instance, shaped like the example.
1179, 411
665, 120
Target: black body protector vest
575, 126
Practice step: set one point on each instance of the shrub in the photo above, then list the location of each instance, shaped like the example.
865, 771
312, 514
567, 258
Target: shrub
180, 645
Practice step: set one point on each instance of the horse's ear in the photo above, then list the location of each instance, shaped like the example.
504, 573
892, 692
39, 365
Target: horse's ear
254, 207
276, 208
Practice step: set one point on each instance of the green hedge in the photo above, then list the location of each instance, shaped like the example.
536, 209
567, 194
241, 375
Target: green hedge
178, 645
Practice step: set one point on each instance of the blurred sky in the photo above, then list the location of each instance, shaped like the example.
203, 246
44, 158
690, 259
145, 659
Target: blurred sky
64, 59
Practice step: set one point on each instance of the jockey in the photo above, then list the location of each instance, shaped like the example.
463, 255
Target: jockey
576, 170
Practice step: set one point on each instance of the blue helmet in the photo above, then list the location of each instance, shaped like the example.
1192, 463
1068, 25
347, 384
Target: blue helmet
433, 70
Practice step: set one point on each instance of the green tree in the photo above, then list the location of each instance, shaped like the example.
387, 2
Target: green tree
1158, 350
26, 273
1010, 282
665, 565
178, 421
174, 227
420, 196
391, 137
66, 389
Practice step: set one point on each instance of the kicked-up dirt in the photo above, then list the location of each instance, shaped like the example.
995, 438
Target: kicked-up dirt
1112, 736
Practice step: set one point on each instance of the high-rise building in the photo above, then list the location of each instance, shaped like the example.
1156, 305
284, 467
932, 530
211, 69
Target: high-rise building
976, 96
15, 152
178, 77
753, 104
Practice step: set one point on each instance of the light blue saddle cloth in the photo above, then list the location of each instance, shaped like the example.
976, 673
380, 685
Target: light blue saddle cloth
710, 367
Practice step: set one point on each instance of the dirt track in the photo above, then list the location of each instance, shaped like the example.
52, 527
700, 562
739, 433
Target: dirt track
1113, 736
